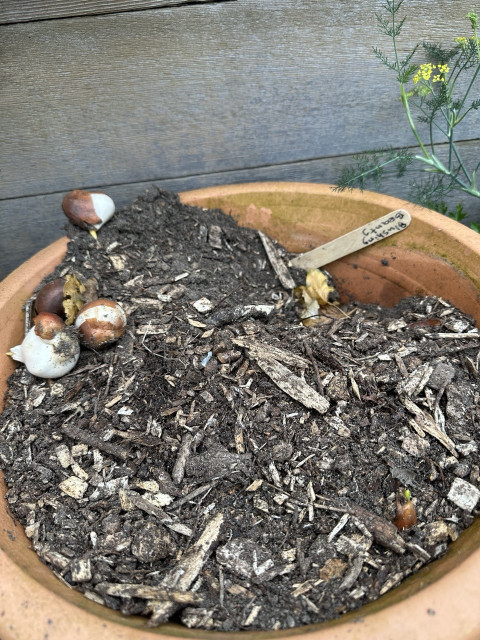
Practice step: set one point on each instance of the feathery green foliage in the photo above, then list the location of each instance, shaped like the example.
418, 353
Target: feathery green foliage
434, 98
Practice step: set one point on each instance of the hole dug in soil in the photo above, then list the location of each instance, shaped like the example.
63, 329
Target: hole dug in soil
225, 466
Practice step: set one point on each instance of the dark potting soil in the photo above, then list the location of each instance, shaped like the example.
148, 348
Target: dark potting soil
225, 466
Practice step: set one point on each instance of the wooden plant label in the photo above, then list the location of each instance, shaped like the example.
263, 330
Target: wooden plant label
353, 240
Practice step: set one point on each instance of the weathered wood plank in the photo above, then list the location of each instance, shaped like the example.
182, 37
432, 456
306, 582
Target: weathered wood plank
208, 88
29, 10
30, 223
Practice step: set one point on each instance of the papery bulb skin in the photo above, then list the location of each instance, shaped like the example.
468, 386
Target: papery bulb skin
88, 209
51, 356
16, 353
100, 323
50, 298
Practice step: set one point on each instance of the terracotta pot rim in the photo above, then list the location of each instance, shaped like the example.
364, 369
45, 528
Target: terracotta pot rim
443, 223
435, 611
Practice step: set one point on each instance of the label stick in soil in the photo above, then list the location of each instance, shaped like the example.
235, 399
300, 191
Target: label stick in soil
353, 240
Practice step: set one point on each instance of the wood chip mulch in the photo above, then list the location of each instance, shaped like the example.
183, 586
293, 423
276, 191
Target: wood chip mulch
225, 466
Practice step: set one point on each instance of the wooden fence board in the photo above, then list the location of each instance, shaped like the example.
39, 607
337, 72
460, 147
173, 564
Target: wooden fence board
206, 88
29, 10
31, 223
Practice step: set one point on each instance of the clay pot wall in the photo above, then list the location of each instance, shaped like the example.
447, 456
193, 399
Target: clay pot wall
433, 256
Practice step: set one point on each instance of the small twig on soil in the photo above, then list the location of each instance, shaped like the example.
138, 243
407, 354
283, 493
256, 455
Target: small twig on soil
353, 574
158, 355
193, 494
183, 455
109, 380
283, 274
401, 367
384, 532
418, 551
293, 386
94, 441
235, 314
221, 581
90, 368
261, 350
329, 507
138, 438
145, 505
453, 336
238, 435
148, 592
183, 574
309, 353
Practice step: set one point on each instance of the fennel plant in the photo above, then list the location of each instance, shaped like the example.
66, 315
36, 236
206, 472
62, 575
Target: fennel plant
429, 94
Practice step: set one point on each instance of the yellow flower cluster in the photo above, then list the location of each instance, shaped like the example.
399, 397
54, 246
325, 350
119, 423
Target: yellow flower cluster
463, 42
425, 72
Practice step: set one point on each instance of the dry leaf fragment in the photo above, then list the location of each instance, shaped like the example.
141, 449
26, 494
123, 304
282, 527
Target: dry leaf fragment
74, 300
426, 423
318, 291
318, 287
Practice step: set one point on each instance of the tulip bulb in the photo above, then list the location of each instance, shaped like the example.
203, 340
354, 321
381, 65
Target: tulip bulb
49, 350
406, 514
50, 298
100, 323
88, 209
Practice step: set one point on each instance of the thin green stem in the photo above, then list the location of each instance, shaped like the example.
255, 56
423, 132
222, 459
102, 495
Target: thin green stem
460, 162
406, 106
431, 120
439, 168
403, 93
372, 170
432, 146
450, 149
454, 79
458, 120
468, 88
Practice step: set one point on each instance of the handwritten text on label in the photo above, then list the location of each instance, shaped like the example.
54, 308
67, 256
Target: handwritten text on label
385, 228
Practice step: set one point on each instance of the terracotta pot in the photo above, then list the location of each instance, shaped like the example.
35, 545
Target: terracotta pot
433, 256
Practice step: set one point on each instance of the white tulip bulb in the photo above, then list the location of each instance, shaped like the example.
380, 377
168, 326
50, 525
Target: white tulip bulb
88, 209
49, 350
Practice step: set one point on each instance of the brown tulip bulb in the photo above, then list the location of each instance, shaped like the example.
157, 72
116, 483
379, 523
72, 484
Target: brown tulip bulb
50, 298
100, 323
88, 209
406, 515
47, 325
